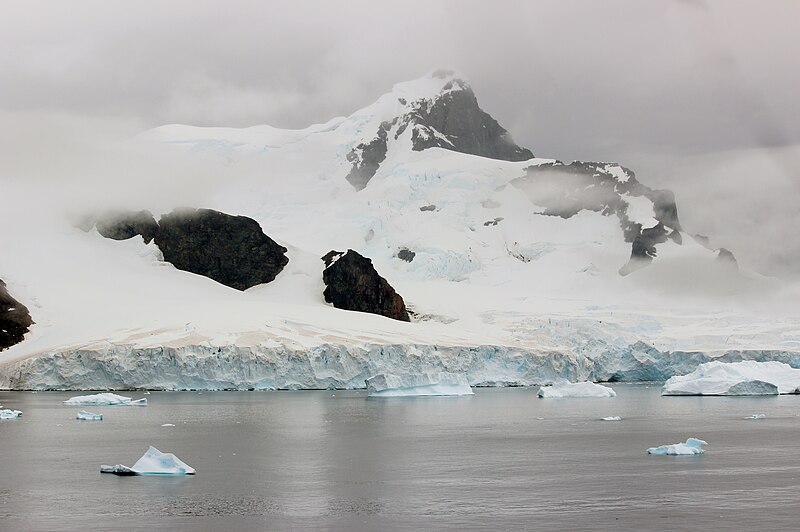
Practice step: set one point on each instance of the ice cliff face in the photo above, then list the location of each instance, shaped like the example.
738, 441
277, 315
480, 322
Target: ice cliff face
327, 366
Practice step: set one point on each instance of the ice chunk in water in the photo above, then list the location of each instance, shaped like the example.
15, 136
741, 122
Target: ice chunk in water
10, 414
89, 416
154, 462
690, 447
576, 389
104, 399
419, 384
736, 378
757, 416
611, 418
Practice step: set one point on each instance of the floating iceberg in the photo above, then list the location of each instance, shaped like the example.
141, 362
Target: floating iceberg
736, 378
89, 416
154, 462
576, 389
757, 416
420, 384
692, 446
104, 399
611, 418
10, 414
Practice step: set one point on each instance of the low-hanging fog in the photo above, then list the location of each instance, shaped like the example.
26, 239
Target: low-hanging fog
695, 96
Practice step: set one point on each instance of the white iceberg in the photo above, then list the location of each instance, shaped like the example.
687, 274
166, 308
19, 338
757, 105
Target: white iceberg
89, 416
611, 418
757, 416
576, 389
690, 447
104, 399
736, 378
154, 462
419, 384
10, 414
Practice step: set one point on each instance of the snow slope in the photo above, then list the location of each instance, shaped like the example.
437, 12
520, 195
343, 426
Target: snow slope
500, 292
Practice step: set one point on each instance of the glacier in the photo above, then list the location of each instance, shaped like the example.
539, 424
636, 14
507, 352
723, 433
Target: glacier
576, 389
692, 446
737, 378
410, 385
341, 366
104, 399
84, 415
153, 462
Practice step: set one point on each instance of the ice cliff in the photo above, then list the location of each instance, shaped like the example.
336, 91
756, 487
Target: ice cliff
123, 367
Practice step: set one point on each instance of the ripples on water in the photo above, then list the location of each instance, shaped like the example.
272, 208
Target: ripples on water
502, 459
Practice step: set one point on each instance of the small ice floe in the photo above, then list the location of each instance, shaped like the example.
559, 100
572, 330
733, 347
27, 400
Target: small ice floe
564, 388
736, 378
418, 384
89, 416
757, 416
10, 414
168, 425
611, 418
690, 447
104, 399
154, 462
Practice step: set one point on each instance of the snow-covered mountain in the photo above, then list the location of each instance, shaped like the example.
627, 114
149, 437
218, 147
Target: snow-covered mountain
514, 269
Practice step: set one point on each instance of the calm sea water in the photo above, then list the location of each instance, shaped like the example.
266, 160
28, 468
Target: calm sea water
502, 459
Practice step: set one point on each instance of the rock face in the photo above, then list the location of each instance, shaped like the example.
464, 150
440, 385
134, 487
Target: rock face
122, 225
647, 217
15, 320
232, 250
353, 284
452, 119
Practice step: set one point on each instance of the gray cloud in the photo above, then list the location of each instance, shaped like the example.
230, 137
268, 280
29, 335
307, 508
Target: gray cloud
651, 84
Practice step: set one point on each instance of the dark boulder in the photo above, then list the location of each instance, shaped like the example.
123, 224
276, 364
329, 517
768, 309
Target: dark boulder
232, 250
353, 284
15, 320
406, 255
122, 225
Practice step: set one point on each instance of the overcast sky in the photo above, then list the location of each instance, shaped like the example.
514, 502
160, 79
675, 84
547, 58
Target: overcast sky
645, 83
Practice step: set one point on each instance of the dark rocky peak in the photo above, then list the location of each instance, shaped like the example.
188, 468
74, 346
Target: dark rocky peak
455, 121
232, 250
610, 189
448, 117
15, 320
351, 283
124, 224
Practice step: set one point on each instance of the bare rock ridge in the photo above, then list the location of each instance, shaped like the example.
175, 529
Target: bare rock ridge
232, 250
567, 189
452, 120
353, 284
15, 320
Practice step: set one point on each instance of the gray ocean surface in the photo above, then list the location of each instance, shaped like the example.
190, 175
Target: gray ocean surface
500, 460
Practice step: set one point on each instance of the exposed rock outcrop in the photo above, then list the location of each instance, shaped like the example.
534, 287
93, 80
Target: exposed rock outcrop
122, 225
566, 189
232, 250
353, 284
452, 120
15, 320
